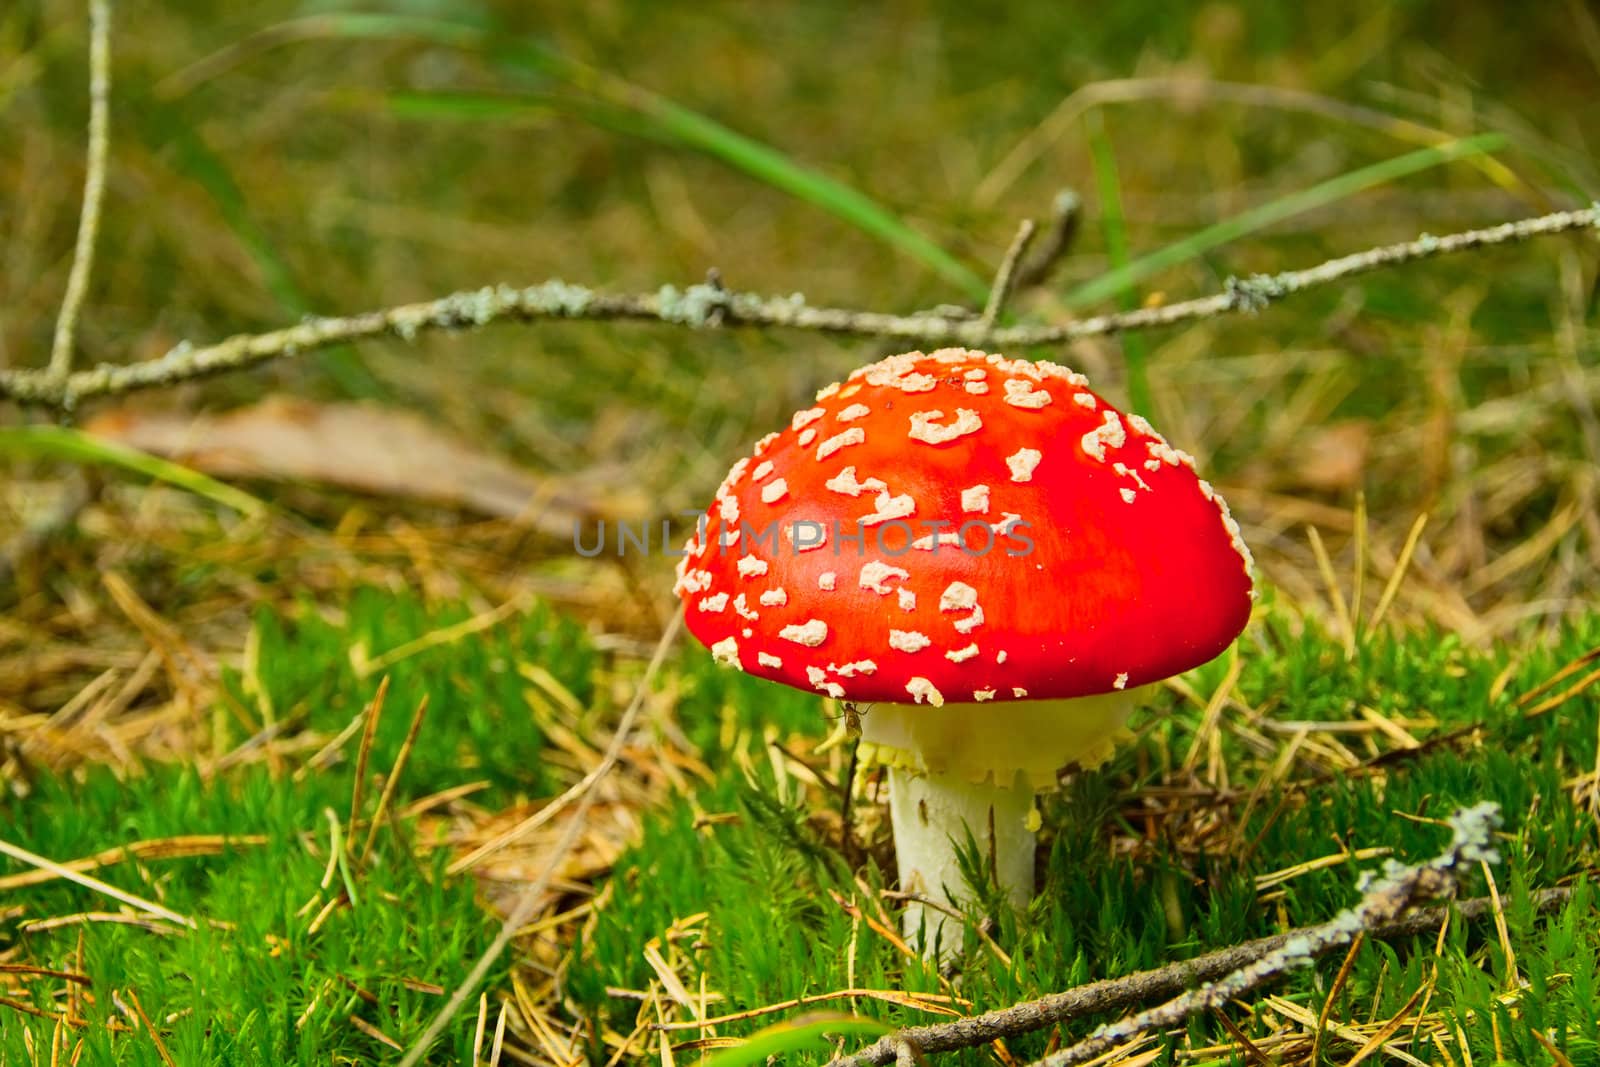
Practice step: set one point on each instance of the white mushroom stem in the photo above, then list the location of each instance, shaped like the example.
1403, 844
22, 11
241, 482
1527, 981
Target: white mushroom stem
931, 815
957, 769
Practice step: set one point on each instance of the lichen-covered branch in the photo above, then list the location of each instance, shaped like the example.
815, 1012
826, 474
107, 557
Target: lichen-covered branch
1381, 910
1384, 899
709, 306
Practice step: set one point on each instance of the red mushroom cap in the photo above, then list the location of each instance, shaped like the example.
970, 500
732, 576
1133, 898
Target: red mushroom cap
964, 527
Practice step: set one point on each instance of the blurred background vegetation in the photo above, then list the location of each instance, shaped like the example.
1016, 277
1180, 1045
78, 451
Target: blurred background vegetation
282, 160
276, 160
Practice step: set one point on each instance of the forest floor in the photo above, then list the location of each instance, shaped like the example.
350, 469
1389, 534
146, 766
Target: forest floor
275, 764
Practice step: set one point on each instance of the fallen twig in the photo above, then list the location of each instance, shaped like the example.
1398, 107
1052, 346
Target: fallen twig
1066, 211
1005, 278
1119, 994
94, 184
707, 306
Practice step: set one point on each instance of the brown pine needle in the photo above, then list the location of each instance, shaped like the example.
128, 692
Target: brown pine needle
445, 635
1401, 565
1255, 1055
878, 927
1333, 994
26, 1009
180, 847
1341, 613
1550, 1047
1212, 716
155, 1035
1358, 583
1388, 1030
151, 907
324, 755
389, 785
499, 1038
1499, 913
376, 1034
1555, 679
1565, 695
370, 730
45, 972
477, 1033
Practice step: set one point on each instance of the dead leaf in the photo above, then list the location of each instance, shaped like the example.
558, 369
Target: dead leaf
1334, 457
360, 447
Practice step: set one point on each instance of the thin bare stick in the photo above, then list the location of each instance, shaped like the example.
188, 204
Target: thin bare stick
94, 184
1117, 994
1066, 211
706, 307
1005, 277
533, 895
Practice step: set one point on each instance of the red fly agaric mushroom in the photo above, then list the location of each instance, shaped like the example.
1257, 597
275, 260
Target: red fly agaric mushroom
989, 560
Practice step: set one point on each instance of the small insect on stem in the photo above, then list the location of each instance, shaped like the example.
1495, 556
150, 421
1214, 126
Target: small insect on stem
852, 716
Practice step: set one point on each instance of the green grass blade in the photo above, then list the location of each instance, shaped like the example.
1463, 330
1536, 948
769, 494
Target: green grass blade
682, 125
525, 109
65, 443
1116, 231
166, 126
794, 1037
467, 106
195, 159
1333, 190
766, 164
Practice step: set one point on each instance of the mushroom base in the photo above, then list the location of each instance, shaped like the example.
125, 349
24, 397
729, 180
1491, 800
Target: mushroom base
932, 814
973, 769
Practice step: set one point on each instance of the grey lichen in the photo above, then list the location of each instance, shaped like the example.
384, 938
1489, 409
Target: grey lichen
710, 306
406, 326
1385, 897
751, 304
694, 306
1254, 293
555, 297
1066, 202
481, 307
1474, 830
475, 308
703, 306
